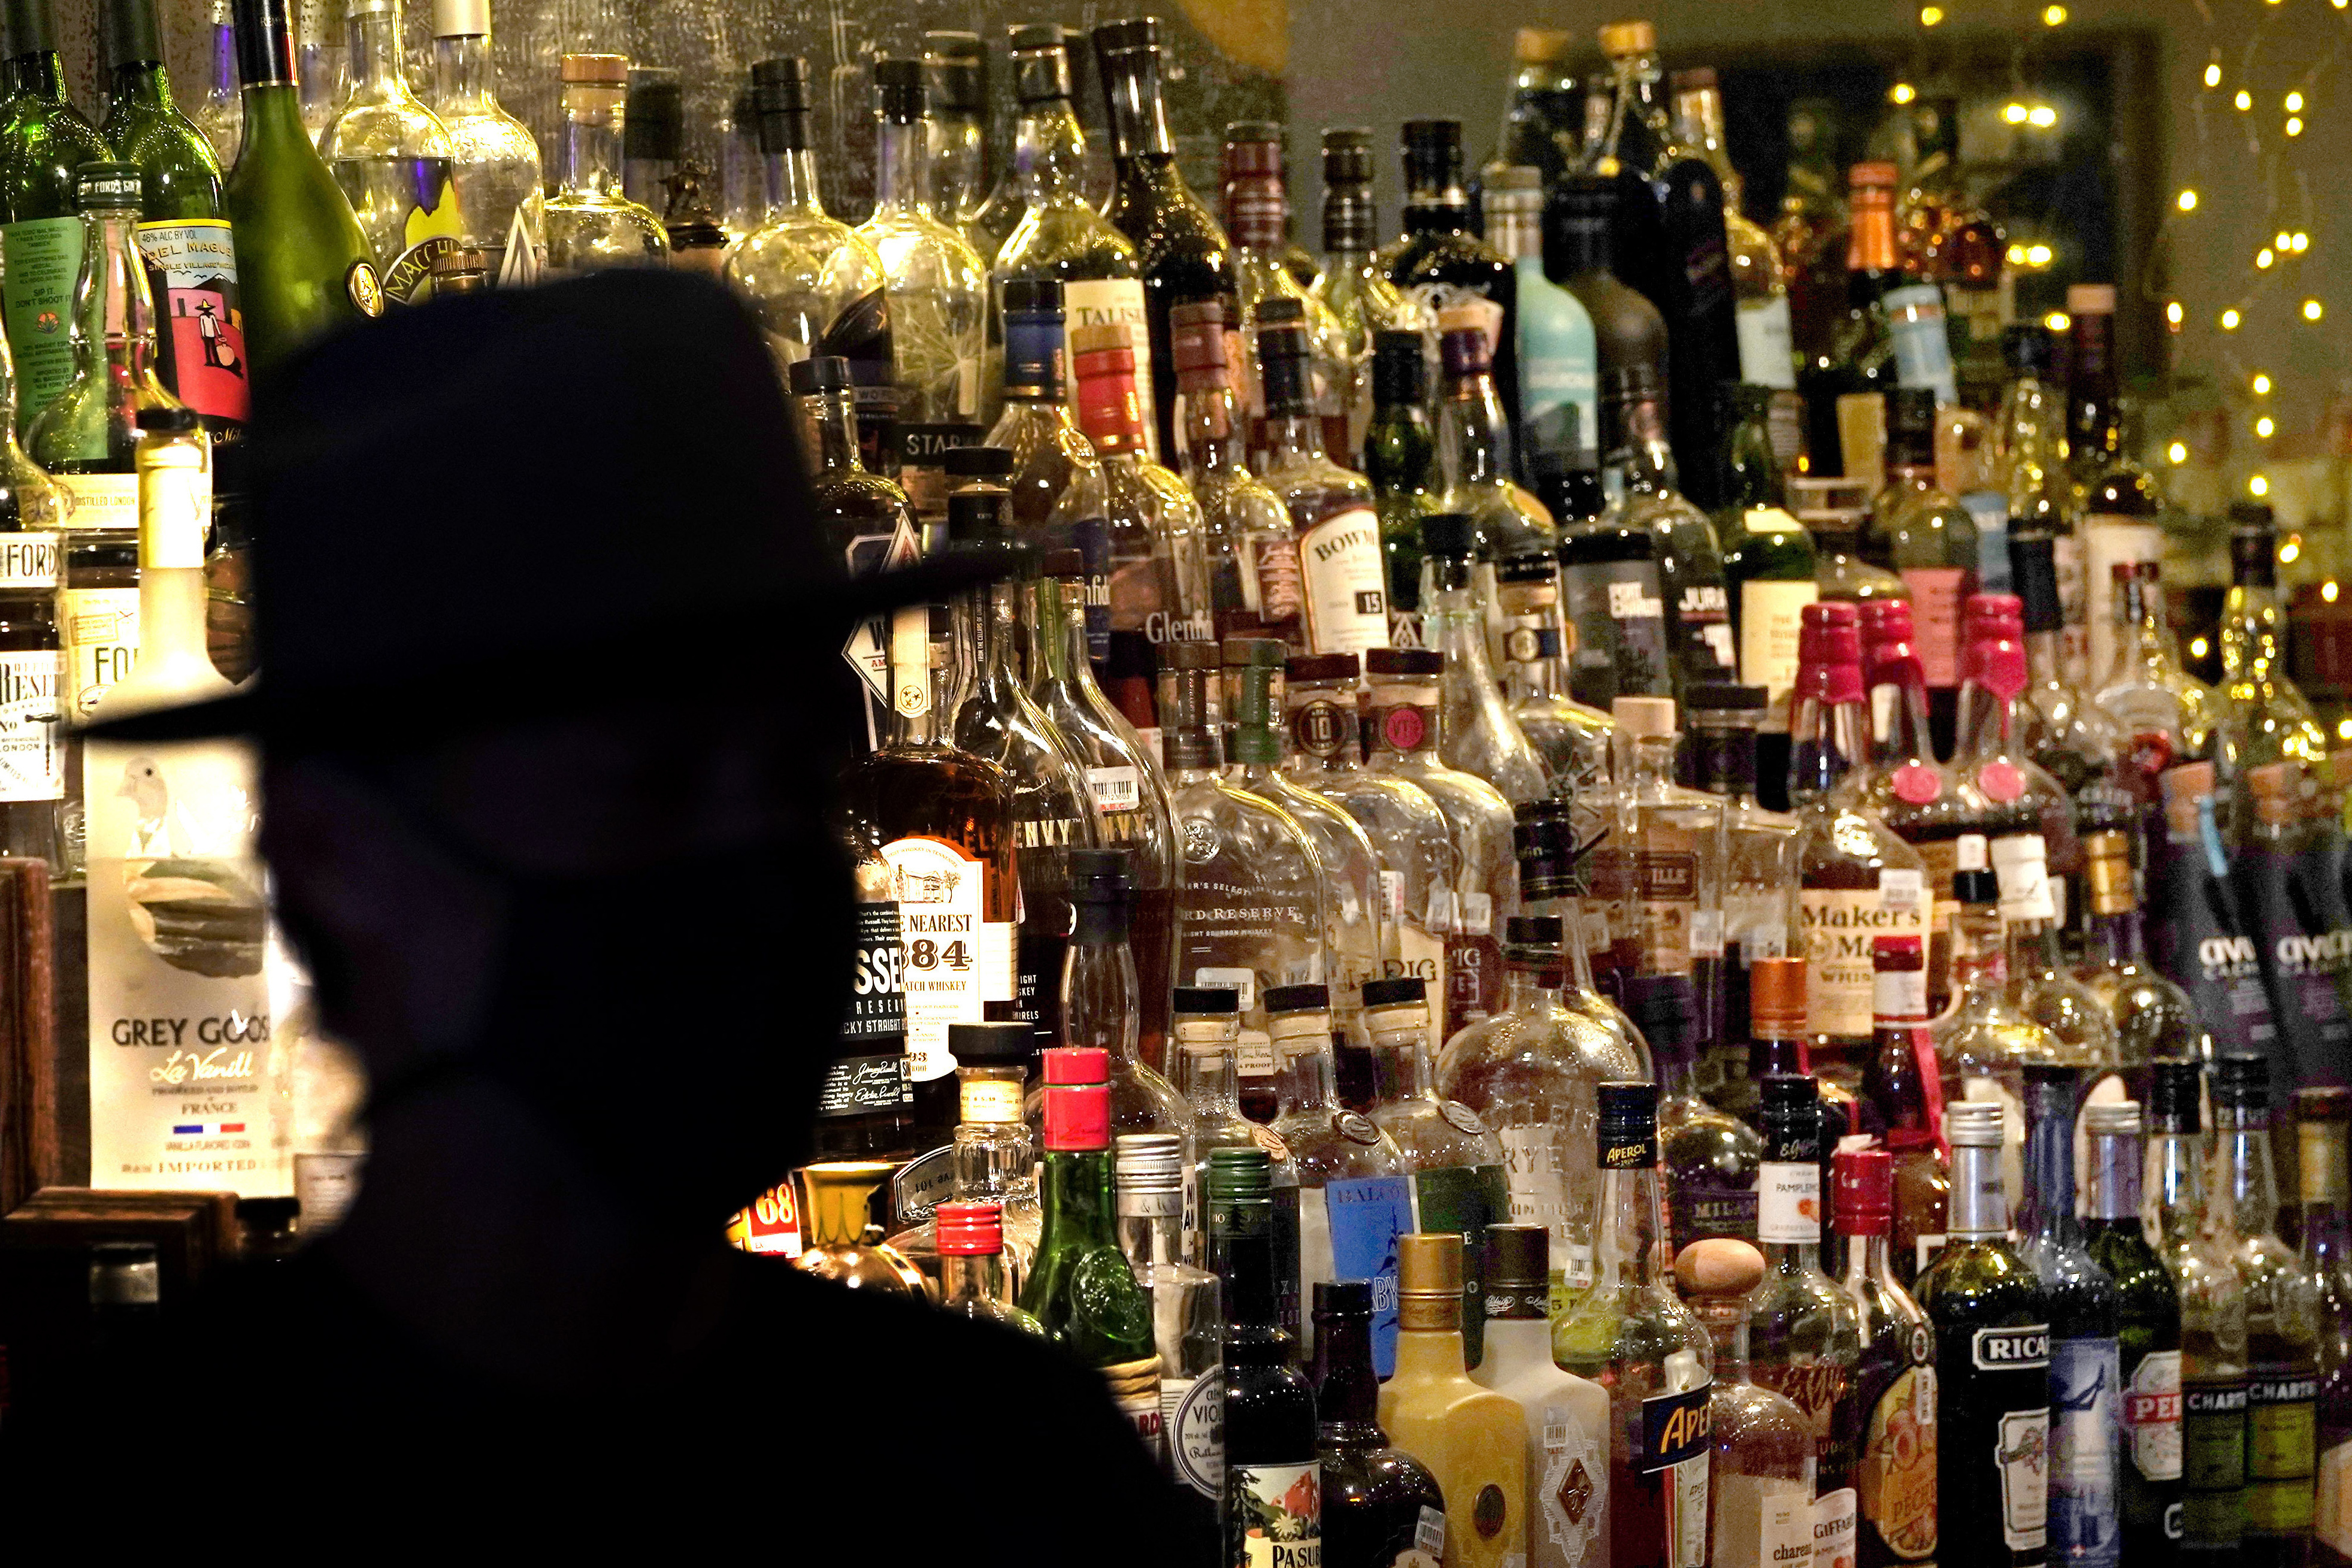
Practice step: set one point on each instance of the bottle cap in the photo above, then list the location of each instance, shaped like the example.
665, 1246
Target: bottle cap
898, 92
596, 70
1776, 996
2241, 1083
2116, 1118
1517, 1282
1400, 370
1010, 1044
969, 1228
1996, 655
99, 184
2277, 790
1396, 662
2174, 1098
1319, 667
1545, 932
1196, 340
954, 64
779, 86
1541, 46
1188, 656
1644, 717
1864, 1184
1100, 875
1148, 1162
1076, 1065
1872, 176
2033, 566
1665, 1008
655, 126
1462, 345
1972, 1124
1791, 1119
2322, 1103
1619, 40
1408, 992
1429, 1281
821, 372
1723, 697
1451, 534
1205, 1000
1298, 999
1033, 296
978, 462
131, 34
1910, 411
2028, 350
1279, 310
169, 420
1240, 1174
1347, 155
1896, 953
1336, 1299
1629, 1126
2053, 1075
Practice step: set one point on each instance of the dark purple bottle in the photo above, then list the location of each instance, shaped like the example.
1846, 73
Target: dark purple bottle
2205, 945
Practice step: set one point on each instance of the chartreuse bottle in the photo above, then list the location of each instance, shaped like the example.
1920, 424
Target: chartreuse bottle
1472, 1438
303, 265
46, 141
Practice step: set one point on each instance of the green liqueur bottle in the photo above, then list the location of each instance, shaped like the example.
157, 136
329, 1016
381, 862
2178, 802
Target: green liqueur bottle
2148, 1337
1273, 1511
184, 239
302, 265
43, 141
1993, 1364
1081, 1287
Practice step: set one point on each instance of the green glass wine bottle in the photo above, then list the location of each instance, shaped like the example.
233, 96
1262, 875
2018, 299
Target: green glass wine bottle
184, 237
43, 141
303, 265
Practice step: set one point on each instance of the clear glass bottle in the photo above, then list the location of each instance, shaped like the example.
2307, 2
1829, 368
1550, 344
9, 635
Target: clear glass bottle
2046, 991
2147, 1390
394, 158
1355, 288
590, 223
1475, 453
495, 157
1059, 496
1188, 1321
2320, 1115
1711, 1159
955, 79
1927, 804
1248, 551
2155, 1020
973, 1275
2264, 718
219, 113
1332, 519
1208, 1067
1675, 840
1763, 1473
1432, 1135
1566, 1417
1700, 646
1553, 853
2029, 432
2070, 737
1983, 1041
1924, 535
1531, 1073
1478, 734
1096, 993
995, 1153
1572, 740
2165, 715
2023, 803
1759, 857
1631, 1334
815, 285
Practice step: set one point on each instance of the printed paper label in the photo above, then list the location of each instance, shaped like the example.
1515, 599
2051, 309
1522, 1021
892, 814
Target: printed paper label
1771, 617
1274, 1515
1839, 926
100, 501
1348, 1230
1762, 1522
100, 630
1767, 347
2152, 1416
2083, 1375
2332, 1504
2282, 1426
39, 258
942, 945
2020, 1452
1834, 1530
2020, 865
1937, 592
32, 561
1572, 1489
1789, 1204
1346, 596
32, 710
1896, 1477
1193, 1416
877, 1002
191, 265
1116, 789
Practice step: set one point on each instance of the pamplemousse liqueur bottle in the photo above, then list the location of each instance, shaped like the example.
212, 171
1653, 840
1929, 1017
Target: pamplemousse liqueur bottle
1188, 1318
1566, 1417
2085, 1308
993, 1157
1380, 1504
2283, 1328
494, 154
40, 224
1060, 235
1181, 254
393, 158
1082, 1288
590, 223
303, 265
1992, 1326
183, 236
1338, 533
940, 824
1894, 1376
1250, 557
177, 815
1901, 1094
2205, 945
972, 1265
1631, 1334
1442, 261
33, 511
2148, 1333
1273, 1473
1473, 1438
1761, 1471
1711, 1158
1478, 735
2320, 1117
1251, 915
1400, 452
1098, 1004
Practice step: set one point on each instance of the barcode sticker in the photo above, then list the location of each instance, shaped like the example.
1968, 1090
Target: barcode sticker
1478, 916
1903, 892
1429, 1532
1244, 982
1392, 894
1116, 789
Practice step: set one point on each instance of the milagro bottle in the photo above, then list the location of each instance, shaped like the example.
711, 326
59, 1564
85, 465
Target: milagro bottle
1895, 1377
186, 1085
1566, 1417
393, 158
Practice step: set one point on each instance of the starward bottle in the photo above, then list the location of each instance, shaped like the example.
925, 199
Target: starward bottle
1380, 1504
49, 142
2148, 1395
1897, 1454
393, 158
1760, 856
1473, 1440
1188, 1319
590, 223
1273, 1467
494, 156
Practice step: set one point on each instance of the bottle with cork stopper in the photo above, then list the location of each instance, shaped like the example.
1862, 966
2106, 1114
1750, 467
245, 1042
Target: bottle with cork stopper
1763, 1463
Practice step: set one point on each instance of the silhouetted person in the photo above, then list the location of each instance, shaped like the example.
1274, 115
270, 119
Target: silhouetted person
553, 699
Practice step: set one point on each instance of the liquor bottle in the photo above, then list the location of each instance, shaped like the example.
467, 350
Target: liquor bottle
2207, 945
1338, 533
1983, 1040
937, 290
1411, 834
1355, 287
33, 518
955, 78
1629, 1334
2070, 738
1400, 460
1927, 803
1251, 914
1272, 1472
2023, 803
844, 1245
1402, 736
1531, 1073
1761, 1478
2031, 431
1059, 494
1355, 940
1759, 862
652, 139
2165, 715
1894, 1388
1673, 838
1473, 448
942, 822
2304, 970
2155, 1019
495, 158
2046, 991
814, 284
1570, 740
863, 517
1669, 241
1767, 347
1565, 1417
1711, 1159
1442, 263
1547, 842
1472, 1438
1182, 254
1540, 118
1154, 548
1208, 1036
1689, 561
303, 263
2283, 1327
2263, 717
993, 1158
972, 1258
1251, 559
220, 113
1803, 1333
2196, 1240
2118, 501
48, 141
1924, 535
323, 64
743, 177
1558, 419
2085, 1307
182, 238
1991, 1323
1256, 217
1188, 1319
1380, 1505
590, 225
2320, 1117
1901, 1094
1627, 330
1843, 385
170, 823
1768, 561
2148, 1330
393, 158
1098, 1004
1060, 236
1478, 734
1855, 877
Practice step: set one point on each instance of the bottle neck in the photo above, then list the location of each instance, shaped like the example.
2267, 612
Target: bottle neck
1632, 1225
1903, 700
1751, 471
2112, 1183
142, 82
918, 688
1151, 1228
1990, 722
222, 85
1869, 1255
1209, 1080
465, 77
1474, 437
2244, 1146
2047, 1208
1240, 1253
1306, 1087
993, 1158
1213, 438
1077, 1200
2253, 640
2117, 939
1049, 152
1979, 1203
1429, 1355
1346, 1390
2320, 1162
833, 420
1579, 246
1401, 1068
592, 142
41, 74
1825, 738
116, 331
1979, 961
377, 71
1528, 990
902, 165
971, 1276
1400, 452
1138, 121
2175, 1170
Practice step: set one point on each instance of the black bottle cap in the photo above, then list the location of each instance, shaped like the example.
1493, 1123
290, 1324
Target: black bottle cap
898, 90
1433, 153
1401, 992
1665, 1006
2241, 1083
1791, 1118
1533, 931
1629, 1114
955, 64
2173, 1098
32, 28
133, 35
654, 119
1212, 1000
1279, 312
995, 1044
780, 86
1400, 369
1298, 999
1338, 1298
1722, 697
1518, 1257
2033, 566
1347, 155
106, 185
1911, 411
1099, 875
1451, 534
824, 373
169, 419
1033, 296
1976, 886
1134, 34
1321, 666
978, 462
2028, 350
2054, 1075
1400, 661
1545, 810
265, 42
1584, 198
2254, 546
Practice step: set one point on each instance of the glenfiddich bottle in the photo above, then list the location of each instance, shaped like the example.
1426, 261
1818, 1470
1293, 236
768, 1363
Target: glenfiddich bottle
1992, 1359
2148, 1331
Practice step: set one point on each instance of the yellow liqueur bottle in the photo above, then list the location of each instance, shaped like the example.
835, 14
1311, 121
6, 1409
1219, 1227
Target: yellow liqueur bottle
1472, 1438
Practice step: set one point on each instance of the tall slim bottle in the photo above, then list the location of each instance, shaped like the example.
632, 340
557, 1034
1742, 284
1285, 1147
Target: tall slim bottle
40, 224
2119, 502
1894, 1376
1400, 459
1331, 514
1478, 736
1355, 286
2320, 1117
303, 263
1473, 1438
2147, 1393
220, 113
1247, 550
393, 158
1441, 262
1768, 355
1273, 1490
2208, 947
1558, 419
